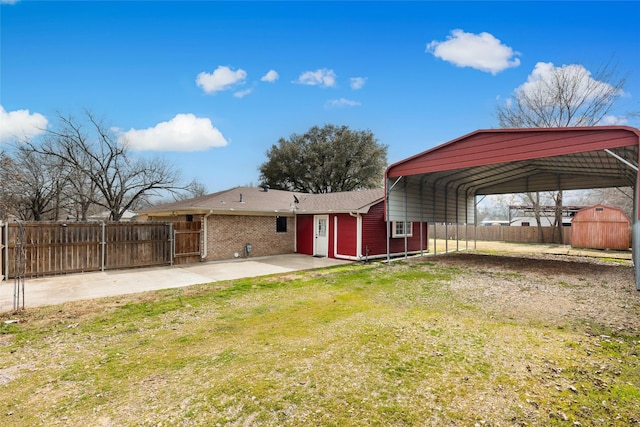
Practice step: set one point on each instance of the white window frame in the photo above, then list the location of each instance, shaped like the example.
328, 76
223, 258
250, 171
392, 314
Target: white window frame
398, 230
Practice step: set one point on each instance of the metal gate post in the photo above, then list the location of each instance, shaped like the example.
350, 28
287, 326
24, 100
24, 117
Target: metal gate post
172, 242
20, 265
3, 243
103, 245
6, 251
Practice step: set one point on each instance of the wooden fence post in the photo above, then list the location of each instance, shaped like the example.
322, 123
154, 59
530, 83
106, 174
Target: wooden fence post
3, 273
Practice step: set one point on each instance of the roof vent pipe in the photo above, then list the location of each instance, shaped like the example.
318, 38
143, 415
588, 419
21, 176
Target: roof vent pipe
241, 198
265, 188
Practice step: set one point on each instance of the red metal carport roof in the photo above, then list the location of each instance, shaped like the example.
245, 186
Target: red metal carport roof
498, 161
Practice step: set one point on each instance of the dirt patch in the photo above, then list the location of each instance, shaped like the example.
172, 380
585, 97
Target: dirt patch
551, 289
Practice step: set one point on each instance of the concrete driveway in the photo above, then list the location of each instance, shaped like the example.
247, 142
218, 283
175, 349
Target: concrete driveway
72, 287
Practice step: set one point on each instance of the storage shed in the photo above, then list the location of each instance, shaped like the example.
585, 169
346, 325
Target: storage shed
601, 227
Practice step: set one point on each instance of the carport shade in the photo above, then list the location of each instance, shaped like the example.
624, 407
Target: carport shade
440, 184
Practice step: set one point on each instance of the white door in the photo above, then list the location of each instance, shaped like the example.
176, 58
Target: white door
321, 235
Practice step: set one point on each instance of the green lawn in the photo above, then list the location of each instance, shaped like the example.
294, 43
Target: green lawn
345, 346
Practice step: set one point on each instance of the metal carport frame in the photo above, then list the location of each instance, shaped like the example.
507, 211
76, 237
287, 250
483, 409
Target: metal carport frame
441, 184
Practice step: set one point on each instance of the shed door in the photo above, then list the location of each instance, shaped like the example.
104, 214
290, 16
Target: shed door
321, 233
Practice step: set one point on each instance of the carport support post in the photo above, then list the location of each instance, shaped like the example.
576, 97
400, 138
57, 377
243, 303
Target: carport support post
388, 220
422, 220
446, 219
466, 219
433, 207
457, 219
635, 230
406, 214
635, 241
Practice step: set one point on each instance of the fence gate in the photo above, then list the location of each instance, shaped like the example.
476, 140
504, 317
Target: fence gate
187, 241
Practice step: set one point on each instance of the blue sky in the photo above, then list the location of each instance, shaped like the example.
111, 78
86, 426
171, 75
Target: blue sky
212, 85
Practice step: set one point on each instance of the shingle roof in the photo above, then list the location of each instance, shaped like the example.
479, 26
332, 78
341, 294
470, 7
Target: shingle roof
348, 201
257, 200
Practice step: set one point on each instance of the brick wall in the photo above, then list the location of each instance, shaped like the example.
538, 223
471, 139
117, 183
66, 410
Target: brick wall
229, 234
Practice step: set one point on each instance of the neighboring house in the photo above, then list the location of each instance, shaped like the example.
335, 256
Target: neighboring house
545, 221
105, 215
491, 222
250, 221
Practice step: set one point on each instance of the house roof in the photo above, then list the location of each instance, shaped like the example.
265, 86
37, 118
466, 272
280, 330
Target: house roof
104, 215
347, 201
257, 201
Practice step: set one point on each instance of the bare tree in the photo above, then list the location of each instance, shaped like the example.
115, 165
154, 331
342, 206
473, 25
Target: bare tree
7, 178
32, 185
193, 189
102, 167
621, 197
557, 225
534, 200
563, 96
81, 193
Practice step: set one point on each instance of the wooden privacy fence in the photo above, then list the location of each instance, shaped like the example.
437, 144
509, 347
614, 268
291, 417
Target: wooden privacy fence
496, 233
57, 248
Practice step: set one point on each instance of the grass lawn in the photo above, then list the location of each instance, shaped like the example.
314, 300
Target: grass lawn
344, 346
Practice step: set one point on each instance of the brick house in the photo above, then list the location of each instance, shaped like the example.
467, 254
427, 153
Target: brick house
240, 222
251, 221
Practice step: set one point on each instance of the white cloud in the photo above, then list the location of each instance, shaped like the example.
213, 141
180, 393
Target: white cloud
322, 77
357, 82
613, 121
544, 75
270, 77
341, 103
222, 78
185, 132
243, 93
20, 124
481, 51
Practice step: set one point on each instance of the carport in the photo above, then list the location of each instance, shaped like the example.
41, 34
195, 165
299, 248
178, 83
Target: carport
440, 185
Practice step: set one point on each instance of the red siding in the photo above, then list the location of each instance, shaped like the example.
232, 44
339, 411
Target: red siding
601, 227
304, 234
347, 234
374, 234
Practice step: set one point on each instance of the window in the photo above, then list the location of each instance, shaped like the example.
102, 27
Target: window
281, 224
398, 229
189, 218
